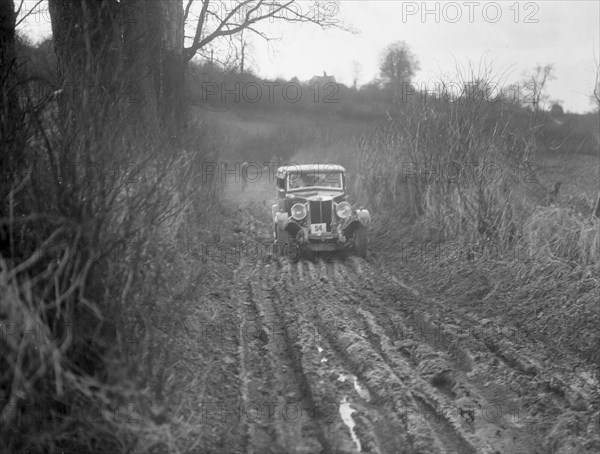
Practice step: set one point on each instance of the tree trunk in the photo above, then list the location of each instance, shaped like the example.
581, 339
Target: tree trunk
141, 36
171, 105
9, 100
153, 38
86, 42
121, 53
8, 95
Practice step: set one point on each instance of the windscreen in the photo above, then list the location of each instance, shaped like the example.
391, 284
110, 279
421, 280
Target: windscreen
309, 179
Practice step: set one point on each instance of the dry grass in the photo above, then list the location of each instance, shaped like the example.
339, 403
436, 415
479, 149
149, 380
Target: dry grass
95, 228
560, 234
502, 239
465, 170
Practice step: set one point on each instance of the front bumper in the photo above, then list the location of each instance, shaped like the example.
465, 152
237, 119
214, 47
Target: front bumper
340, 236
328, 241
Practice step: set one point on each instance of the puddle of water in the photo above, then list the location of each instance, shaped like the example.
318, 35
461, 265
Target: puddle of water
362, 392
346, 413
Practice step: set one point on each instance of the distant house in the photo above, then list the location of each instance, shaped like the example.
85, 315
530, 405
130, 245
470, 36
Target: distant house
321, 80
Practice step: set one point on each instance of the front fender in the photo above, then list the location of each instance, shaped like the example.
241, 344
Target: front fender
351, 224
363, 217
282, 220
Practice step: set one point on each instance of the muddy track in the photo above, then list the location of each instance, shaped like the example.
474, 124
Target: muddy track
342, 357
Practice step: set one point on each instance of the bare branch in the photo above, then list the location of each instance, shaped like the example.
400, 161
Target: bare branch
259, 33
28, 13
595, 96
536, 83
187, 10
247, 14
201, 20
18, 11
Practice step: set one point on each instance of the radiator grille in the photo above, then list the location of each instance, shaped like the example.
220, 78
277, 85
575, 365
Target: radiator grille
321, 212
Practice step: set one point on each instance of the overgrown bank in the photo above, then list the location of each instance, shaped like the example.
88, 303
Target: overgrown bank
474, 213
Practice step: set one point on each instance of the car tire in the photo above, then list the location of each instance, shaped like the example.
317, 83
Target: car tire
361, 242
293, 251
283, 241
286, 245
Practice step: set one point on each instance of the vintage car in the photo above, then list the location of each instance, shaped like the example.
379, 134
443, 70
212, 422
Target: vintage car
312, 213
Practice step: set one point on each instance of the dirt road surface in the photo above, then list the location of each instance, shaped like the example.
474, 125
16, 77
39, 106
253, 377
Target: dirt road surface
340, 355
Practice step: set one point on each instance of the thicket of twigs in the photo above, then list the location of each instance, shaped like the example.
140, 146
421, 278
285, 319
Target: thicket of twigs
460, 179
466, 169
92, 215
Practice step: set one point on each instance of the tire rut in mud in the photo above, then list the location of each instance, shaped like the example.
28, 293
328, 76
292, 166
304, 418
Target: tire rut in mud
537, 392
323, 340
286, 419
429, 424
378, 368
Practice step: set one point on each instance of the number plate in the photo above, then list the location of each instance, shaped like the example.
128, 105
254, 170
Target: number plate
315, 229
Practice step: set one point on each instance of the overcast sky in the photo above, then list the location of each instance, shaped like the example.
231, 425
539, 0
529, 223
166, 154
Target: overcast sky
511, 37
508, 36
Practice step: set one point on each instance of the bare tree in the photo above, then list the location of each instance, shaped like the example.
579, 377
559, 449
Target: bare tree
536, 83
356, 73
140, 43
595, 96
398, 66
243, 48
219, 19
239, 53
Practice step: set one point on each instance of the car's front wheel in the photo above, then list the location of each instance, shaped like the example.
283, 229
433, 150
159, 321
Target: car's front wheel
361, 242
283, 240
286, 246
